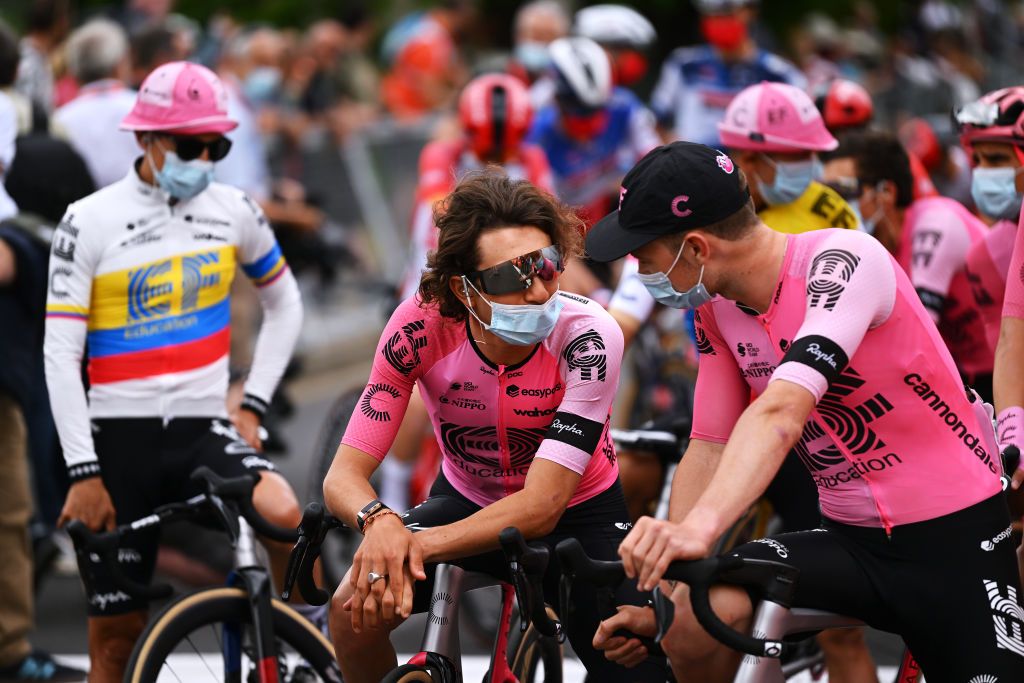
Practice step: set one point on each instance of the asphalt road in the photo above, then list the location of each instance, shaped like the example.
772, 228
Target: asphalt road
60, 609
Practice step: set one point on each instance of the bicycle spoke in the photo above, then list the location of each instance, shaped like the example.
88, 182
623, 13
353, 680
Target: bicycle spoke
168, 667
202, 658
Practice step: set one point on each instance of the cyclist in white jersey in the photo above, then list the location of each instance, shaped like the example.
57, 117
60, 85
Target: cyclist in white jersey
140, 271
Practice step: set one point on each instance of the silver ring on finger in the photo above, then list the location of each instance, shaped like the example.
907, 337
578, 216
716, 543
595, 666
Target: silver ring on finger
374, 577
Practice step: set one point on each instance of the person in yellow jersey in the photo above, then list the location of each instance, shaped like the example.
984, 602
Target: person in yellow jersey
774, 133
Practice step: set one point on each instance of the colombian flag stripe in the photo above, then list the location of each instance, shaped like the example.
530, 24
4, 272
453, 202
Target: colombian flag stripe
161, 361
267, 268
67, 311
170, 331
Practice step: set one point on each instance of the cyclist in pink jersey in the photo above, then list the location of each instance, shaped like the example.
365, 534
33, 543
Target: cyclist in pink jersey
852, 375
518, 379
992, 134
930, 239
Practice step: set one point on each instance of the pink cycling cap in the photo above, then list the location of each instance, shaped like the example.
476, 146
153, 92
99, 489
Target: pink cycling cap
181, 97
775, 117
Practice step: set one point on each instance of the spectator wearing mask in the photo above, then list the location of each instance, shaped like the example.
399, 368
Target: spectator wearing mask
697, 83
47, 176
537, 25
98, 58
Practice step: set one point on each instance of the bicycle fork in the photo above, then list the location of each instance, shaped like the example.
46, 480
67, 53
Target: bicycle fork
251, 576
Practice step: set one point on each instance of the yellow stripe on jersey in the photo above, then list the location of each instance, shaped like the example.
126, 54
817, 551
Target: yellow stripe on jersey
162, 288
818, 207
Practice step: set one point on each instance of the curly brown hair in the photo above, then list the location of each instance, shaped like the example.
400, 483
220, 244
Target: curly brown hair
487, 200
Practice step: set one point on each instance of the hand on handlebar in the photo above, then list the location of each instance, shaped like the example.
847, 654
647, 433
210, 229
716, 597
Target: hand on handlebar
89, 502
617, 648
654, 544
391, 550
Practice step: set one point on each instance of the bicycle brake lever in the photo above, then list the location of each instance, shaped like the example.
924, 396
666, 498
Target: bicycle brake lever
292, 571
565, 597
664, 612
228, 518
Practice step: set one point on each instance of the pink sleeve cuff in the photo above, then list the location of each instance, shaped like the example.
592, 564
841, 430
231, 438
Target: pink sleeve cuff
802, 375
565, 455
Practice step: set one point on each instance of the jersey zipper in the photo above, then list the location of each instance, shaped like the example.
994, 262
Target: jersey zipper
504, 459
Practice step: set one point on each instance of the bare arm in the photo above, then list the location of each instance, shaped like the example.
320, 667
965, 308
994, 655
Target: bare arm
347, 484
535, 510
1008, 376
8, 264
692, 476
762, 438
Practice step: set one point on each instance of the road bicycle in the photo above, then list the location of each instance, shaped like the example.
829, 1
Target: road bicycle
238, 632
523, 647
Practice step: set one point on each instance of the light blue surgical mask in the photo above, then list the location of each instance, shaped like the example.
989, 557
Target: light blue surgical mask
994, 191
660, 287
518, 324
533, 56
184, 179
854, 205
792, 178
261, 84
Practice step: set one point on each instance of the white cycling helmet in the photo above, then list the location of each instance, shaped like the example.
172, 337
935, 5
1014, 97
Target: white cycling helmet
583, 74
616, 25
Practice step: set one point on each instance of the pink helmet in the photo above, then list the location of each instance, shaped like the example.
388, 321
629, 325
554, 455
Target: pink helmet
775, 117
181, 97
997, 116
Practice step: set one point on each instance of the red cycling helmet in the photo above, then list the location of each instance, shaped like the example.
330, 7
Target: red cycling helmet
919, 139
844, 104
495, 113
997, 116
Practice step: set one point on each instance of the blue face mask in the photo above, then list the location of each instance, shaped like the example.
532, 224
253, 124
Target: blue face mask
663, 292
184, 179
261, 84
533, 56
522, 324
792, 179
994, 191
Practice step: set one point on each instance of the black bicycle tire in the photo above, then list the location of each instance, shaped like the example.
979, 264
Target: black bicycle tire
524, 648
408, 673
340, 546
217, 605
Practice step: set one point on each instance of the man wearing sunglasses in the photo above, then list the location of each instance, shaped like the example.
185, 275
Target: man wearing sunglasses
140, 272
519, 380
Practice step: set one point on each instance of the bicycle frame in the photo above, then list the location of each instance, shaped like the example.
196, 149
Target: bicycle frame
441, 647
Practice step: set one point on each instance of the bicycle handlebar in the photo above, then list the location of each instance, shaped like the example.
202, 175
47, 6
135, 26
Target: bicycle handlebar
527, 565
774, 579
313, 529
1011, 459
226, 498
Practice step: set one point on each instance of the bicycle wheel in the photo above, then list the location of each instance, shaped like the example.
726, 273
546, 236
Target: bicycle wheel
529, 653
408, 673
340, 546
186, 642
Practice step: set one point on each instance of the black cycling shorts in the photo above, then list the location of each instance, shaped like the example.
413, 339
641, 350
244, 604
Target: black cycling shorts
145, 464
949, 586
599, 524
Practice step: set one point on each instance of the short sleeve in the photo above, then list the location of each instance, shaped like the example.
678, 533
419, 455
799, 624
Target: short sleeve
721, 394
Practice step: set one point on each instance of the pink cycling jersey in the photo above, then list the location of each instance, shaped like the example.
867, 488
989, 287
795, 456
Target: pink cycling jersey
1013, 303
490, 420
937, 234
988, 262
893, 438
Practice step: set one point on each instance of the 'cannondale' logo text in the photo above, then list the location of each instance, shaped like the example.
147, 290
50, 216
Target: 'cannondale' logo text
952, 421
826, 281
371, 407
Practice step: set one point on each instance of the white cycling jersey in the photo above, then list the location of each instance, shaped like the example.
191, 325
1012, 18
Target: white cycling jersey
145, 283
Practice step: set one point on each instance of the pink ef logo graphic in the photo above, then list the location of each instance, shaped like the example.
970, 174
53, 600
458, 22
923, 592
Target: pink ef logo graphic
724, 163
681, 199
622, 195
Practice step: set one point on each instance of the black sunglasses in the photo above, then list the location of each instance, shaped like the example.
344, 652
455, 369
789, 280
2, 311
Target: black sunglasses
188, 148
516, 275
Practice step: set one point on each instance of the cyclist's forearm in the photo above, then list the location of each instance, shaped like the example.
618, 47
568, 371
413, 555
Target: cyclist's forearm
692, 476
759, 443
347, 484
1008, 376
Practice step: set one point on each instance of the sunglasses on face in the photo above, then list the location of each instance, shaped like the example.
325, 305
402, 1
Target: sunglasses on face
846, 187
189, 148
516, 275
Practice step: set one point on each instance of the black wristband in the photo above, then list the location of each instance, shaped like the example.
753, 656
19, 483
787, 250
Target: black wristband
254, 404
83, 471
